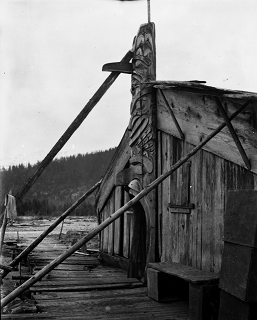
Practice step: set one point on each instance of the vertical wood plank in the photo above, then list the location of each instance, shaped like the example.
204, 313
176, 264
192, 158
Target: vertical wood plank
111, 226
207, 206
185, 199
192, 239
196, 196
195, 239
219, 205
117, 223
102, 232
175, 192
106, 230
172, 159
159, 193
255, 181
167, 232
126, 233
131, 221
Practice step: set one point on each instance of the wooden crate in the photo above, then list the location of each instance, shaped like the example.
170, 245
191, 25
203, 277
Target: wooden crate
162, 287
203, 302
238, 274
174, 281
240, 220
232, 308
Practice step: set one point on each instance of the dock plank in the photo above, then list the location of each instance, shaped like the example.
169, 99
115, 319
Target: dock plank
81, 286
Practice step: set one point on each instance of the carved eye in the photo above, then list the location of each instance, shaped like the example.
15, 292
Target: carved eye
145, 154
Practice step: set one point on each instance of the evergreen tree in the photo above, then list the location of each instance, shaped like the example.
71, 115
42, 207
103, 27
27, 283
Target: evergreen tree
63, 182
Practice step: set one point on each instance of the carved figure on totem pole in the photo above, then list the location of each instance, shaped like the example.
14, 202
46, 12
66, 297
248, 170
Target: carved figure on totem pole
142, 122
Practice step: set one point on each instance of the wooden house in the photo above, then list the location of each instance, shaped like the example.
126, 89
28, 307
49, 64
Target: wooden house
182, 219
177, 205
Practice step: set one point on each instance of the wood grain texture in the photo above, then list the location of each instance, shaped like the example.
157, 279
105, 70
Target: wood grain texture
103, 292
126, 232
166, 235
105, 231
136, 155
196, 239
118, 224
238, 272
240, 225
159, 194
111, 226
117, 163
198, 116
190, 274
100, 293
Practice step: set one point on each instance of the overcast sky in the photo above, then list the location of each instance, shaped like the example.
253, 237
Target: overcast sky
52, 52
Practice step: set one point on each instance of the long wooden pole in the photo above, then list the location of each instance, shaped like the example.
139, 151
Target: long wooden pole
42, 236
71, 129
2, 266
113, 217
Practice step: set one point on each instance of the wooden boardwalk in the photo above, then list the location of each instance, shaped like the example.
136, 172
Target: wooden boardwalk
82, 288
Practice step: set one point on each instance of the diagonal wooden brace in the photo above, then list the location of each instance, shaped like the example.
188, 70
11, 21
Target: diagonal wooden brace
71, 129
4, 267
233, 134
182, 136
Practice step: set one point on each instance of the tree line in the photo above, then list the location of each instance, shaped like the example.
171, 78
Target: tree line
64, 181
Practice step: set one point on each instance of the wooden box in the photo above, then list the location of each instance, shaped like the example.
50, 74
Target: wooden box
240, 220
238, 275
232, 308
162, 287
203, 302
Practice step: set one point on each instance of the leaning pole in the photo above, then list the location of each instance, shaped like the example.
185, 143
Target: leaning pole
71, 129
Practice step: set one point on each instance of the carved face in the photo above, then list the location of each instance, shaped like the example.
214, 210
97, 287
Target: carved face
141, 134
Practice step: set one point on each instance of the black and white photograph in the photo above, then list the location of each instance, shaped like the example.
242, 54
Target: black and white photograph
128, 159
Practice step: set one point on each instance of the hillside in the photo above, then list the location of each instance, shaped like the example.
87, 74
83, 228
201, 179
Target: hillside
62, 183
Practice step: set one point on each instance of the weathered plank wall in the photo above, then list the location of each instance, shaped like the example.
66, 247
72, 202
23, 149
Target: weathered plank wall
195, 239
198, 115
118, 163
116, 238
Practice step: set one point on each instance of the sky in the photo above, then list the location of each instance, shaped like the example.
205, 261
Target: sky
52, 53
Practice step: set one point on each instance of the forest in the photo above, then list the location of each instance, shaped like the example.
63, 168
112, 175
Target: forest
60, 185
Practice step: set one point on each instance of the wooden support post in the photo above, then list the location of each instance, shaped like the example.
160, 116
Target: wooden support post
173, 116
71, 129
26, 251
233, 134
38, 276
61, 230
